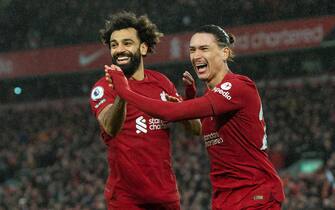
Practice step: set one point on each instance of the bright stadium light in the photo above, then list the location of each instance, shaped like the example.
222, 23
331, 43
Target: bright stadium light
17, 90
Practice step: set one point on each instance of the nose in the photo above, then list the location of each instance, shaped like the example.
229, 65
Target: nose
119, 48
196, 54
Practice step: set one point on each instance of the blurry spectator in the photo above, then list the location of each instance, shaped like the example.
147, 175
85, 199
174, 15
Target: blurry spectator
49, 160
35, 24
47, 156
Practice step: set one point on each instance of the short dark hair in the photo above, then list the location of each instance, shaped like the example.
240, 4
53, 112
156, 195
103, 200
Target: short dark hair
223, 38
146, 30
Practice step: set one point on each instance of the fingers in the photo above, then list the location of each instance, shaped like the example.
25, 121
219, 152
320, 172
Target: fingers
189, 83
109, 80
112, 68
188, 75
107, 75
188, 78
109, 71
172, 98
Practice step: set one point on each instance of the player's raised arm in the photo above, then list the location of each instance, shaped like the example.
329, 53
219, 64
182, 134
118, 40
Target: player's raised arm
192, 126
189, 83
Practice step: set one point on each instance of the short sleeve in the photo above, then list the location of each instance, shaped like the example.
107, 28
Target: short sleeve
227, 96
101, 95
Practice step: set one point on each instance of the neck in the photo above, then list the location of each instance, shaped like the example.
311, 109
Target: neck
139, 73
218, 77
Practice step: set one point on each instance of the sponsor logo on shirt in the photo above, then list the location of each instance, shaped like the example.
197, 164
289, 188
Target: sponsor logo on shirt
225, 94
97, 93
212, 139
153, 124
226, 86
157, 124
141, 126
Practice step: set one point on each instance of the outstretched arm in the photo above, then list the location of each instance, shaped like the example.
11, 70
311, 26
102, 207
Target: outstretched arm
191, 126
190, 109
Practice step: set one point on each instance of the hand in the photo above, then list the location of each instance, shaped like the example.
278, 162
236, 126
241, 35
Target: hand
189, 83
116, 79
172, 98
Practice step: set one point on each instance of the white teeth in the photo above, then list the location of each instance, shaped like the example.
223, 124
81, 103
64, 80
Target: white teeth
122, 58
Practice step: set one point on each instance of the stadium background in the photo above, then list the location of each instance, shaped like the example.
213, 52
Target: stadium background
51, 156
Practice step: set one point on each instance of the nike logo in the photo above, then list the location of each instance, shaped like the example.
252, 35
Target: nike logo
86, 59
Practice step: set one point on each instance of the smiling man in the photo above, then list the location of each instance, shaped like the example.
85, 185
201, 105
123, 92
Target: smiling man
233, 125
139, 148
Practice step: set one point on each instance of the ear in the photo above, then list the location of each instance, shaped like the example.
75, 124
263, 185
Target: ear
225, 53
143, 48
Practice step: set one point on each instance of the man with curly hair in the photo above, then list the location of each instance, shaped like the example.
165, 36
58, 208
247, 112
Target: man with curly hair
139, 149
233, 125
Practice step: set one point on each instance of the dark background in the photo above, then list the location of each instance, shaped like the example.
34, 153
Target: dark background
51, 156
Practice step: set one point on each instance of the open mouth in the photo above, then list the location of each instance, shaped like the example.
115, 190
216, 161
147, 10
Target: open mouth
201, 67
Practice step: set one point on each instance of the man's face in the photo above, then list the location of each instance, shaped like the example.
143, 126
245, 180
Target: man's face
206, 56
125, 50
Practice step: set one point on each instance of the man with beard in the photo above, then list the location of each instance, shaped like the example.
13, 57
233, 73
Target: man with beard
233, 125
139, 148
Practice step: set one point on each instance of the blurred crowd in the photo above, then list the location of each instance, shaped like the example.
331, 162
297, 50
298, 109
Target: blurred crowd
47, 23
51, 156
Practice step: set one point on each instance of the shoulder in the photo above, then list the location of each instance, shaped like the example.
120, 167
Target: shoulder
236, 81
244, 79
101, 82
99, 88
157, 77
239, 78
235, 86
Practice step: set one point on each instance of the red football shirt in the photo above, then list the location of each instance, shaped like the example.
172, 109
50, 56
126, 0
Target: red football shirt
139, 157
236, 139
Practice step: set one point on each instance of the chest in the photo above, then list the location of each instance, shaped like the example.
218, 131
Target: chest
139, 123
215, 123
150, 90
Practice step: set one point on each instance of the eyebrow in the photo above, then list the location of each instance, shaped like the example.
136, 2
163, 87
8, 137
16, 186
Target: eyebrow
123, 40
201, 46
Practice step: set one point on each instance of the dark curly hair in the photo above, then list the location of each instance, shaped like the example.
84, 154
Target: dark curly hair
146, 30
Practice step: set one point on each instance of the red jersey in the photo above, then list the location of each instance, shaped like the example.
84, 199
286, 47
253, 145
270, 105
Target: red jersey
139, 157
235, 138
